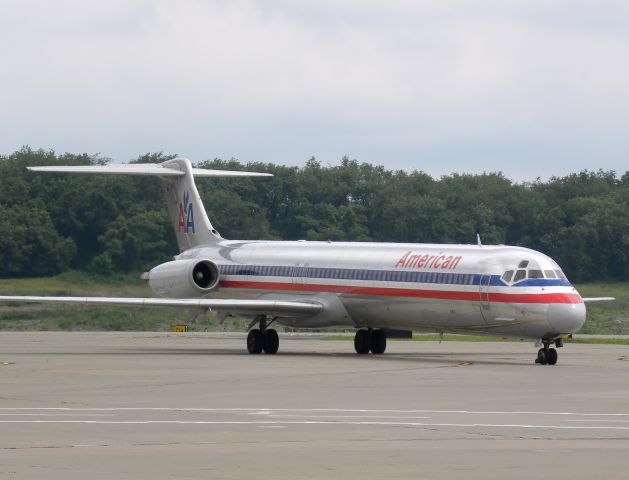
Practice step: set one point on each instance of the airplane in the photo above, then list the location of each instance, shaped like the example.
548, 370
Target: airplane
373, 287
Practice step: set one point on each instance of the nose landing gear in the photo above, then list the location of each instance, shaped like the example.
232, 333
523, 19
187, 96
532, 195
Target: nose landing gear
546, 355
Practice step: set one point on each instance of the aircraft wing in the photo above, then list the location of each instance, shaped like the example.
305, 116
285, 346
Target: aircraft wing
598, 299
266, 307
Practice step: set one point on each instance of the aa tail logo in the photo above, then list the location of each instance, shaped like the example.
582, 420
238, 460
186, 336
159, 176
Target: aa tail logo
186, 215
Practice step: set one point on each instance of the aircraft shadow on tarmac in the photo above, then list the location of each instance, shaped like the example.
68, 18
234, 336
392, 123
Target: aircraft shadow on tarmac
452, 358
447, 358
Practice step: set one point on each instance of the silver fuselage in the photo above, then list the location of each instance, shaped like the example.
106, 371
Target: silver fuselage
423, 287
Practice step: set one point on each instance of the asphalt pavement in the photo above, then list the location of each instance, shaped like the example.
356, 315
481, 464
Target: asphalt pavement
195, 405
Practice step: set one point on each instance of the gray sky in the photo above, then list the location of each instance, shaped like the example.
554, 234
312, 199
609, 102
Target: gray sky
531, 88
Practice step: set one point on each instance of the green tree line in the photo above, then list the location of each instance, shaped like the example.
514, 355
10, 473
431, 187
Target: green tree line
50, 223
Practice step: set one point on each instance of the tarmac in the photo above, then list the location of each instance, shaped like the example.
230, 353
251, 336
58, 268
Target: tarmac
150, 405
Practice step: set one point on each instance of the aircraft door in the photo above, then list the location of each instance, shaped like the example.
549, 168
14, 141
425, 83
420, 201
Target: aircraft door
298, 274
298, 262
485, 304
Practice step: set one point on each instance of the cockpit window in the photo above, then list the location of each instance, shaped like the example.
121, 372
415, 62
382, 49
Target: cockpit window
519, 275
550, 274
506, 277
536, 274
560, 274
523, 264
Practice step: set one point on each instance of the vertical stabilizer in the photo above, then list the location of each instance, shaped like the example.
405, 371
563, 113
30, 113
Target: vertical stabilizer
190, 221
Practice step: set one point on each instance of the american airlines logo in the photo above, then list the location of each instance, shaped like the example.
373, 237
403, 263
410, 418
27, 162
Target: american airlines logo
441, 262
186, 215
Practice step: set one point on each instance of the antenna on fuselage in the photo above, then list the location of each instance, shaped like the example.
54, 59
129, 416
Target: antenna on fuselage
480, 244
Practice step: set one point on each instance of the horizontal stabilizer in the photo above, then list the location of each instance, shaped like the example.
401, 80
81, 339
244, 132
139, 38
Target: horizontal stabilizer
599, 299
206, 172
259, 307
155, 169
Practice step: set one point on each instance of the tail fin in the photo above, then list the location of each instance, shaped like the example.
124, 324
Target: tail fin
190, 221
192, 225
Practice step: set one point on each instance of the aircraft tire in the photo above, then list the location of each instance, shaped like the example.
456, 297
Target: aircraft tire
542, 356
378, 341
254, 341
362, 342
270, 341
552, 356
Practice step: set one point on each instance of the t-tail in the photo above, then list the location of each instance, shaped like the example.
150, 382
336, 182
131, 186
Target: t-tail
190, 221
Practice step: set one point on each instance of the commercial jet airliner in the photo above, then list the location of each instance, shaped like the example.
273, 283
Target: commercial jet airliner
373, 287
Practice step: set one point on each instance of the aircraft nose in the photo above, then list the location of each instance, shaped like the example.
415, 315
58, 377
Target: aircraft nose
566, 317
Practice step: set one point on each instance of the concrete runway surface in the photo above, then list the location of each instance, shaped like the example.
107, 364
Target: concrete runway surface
148, 405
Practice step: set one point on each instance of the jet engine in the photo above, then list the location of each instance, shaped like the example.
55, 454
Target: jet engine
184, 278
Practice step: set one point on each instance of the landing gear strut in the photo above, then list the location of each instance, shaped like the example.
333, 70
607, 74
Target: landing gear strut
546, 355
370, 340
262, 339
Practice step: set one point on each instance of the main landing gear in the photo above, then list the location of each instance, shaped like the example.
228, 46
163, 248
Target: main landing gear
546, 355
262, 338
370, 340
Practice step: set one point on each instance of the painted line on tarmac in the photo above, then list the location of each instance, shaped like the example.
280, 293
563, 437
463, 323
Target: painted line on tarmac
596, 420
341, 410
317, 422
271, 415
57, 415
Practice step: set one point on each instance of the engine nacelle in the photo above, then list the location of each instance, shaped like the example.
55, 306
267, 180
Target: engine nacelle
184, 278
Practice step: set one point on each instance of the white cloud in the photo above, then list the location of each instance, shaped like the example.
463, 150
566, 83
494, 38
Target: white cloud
439, 85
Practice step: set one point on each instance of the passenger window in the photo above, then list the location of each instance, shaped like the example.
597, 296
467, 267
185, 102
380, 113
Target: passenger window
506, 277
536, 274
550, 274
519, 275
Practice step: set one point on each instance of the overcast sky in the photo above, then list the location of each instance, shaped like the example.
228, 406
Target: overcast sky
530, 88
